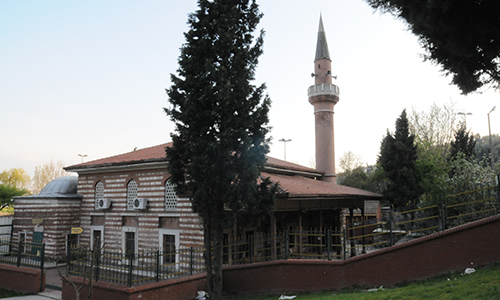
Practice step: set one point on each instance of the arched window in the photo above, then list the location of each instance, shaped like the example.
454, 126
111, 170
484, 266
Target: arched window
170, 197
99, 192
131, 194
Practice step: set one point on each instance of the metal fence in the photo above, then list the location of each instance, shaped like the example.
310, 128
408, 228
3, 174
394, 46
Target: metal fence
22, 254
356, 238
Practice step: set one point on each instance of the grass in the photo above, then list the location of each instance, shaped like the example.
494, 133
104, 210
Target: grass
6, 293
483, 284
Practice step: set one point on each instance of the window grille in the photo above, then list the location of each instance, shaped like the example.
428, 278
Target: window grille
170, 197
131, 194
99, 192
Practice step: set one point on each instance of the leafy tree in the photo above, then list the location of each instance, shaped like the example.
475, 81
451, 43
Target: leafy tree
398, 155
467, 176
16, 177
45, 174
432, 169
464, 143
7, 192
459, 36
221, 122
357, 178
482, 149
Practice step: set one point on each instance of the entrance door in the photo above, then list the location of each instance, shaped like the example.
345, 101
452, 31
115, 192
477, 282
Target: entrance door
36, 248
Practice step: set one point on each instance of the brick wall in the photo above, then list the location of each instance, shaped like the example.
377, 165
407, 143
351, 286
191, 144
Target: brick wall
58, 215
24, 280
151, 185
439, 253
184, 288
443, 252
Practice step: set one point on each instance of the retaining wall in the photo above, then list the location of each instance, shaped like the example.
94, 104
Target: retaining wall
175, 289
24, 280
471, 245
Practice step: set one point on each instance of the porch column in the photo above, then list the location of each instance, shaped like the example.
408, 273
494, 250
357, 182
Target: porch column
273, 233
353, 244
364, 226
300, 233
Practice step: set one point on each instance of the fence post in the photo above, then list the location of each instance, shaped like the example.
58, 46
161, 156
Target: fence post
157, 265
329, 244
251, 250
391, 221
344, 244
191, 260
287, 244
97, 256
130, 268
19, 247
445, 212
41, 268
441, 213
498, 188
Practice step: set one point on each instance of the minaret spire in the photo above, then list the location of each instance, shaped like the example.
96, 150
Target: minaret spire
322, 45
323, 95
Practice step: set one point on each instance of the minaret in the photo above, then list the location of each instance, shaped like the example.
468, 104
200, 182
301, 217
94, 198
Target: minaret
323, 95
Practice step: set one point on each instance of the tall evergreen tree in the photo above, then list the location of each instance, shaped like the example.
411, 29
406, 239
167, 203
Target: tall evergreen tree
464, 143
398, 155
221, 123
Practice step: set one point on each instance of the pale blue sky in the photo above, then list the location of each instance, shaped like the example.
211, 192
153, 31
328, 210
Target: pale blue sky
89, 77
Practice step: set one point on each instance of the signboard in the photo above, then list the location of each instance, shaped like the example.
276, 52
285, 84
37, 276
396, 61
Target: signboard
37, 221
76, 230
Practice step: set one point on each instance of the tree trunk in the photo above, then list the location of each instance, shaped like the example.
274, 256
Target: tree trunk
217, 268
207, 237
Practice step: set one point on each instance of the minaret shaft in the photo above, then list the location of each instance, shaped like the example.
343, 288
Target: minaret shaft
323, 95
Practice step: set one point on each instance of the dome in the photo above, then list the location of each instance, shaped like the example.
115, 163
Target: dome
62, 186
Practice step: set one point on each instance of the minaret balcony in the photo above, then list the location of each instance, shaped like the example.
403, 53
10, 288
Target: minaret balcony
323, 89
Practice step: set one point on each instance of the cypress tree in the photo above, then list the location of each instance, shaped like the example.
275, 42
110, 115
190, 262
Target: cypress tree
398, 155
221, 123
464, 143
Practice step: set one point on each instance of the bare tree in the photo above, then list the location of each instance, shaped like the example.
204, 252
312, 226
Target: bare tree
46, 173
435, 129
350, 161
86, 269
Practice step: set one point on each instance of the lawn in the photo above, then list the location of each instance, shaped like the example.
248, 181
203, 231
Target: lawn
7, 294
482, 284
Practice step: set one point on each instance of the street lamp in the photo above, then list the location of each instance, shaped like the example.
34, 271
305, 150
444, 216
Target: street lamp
285, 141
465, 116
491, 144
82, 156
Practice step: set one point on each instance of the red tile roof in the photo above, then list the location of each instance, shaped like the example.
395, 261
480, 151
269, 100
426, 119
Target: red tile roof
157, 153
293, 184
299, 186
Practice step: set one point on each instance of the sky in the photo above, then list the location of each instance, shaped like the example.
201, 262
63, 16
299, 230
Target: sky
89, 77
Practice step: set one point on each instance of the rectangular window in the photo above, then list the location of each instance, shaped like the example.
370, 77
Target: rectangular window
169, 244
169, 248
22, 240
129, 242
96, 239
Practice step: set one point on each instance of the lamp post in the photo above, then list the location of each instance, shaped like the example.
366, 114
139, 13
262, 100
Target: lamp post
491, 143
82, 156
465, 116
285, 141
